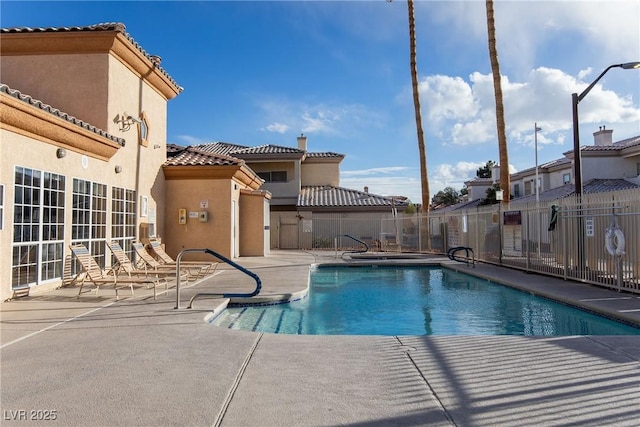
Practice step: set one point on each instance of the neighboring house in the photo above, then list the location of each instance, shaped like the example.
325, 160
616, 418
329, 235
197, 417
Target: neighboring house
305, 185
606, 166
83, 159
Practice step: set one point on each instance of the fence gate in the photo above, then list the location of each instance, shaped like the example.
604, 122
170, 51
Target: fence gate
288, 232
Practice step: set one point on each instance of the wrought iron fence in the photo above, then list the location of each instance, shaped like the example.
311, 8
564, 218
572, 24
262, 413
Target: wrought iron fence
594, 239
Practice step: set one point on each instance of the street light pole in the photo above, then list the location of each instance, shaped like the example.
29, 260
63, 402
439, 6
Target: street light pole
536, 129
575, 99
577, 160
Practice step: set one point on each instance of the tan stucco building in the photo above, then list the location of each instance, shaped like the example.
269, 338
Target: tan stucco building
83, 159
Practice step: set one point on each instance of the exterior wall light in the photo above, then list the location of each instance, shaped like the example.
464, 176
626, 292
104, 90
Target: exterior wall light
125, 121
118, 169
61, 152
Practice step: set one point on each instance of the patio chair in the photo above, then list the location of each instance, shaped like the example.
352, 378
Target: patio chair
125, 265
92, 272
206, 268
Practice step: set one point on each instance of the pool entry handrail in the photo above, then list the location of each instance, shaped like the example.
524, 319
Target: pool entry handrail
223, 295
361, 251
451, 254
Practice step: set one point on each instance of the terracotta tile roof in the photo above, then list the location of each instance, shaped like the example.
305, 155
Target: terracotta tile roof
590, 187
190, 156
49, 109
330, 197
104, 26
223, 148
230, 149
267, 149
326, 154
616, 146
544, 166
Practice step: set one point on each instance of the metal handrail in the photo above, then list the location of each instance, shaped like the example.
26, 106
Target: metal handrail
451, 254
366, 246
224, 295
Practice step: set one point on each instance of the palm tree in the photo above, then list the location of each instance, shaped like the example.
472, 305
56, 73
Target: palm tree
497, 88
424, 178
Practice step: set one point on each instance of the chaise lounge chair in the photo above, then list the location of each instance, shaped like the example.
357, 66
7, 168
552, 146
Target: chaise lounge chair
125, 265
91, 272
206, 268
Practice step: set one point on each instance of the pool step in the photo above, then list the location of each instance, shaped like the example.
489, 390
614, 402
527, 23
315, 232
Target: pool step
262, 319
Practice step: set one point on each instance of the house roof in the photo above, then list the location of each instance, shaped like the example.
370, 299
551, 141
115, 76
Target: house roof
105, 26
590, 187
192, 156
329, 196
324, 155
544, 166
268, 149
244, 151
224, 148
616, 146
56, 112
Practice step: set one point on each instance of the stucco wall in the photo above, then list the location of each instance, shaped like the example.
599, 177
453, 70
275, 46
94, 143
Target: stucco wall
607, 168
320, 174
127, 93
75, 84
216, 233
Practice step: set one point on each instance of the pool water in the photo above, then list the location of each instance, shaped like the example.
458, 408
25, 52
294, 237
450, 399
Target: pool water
416, 301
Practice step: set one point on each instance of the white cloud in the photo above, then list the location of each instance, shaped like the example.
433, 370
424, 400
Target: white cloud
276, 127
336, 119
464, 112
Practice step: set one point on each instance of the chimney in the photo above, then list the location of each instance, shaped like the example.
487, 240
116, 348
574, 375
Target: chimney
603, 136
302, 142
366, 189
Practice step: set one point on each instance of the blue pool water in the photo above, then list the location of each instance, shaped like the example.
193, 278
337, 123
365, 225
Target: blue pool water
416, 301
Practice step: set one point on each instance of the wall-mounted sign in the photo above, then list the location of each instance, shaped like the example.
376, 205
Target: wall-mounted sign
512, 218
589, 227
193, 214
204, 204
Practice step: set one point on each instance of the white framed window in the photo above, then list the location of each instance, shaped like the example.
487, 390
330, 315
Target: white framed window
89, 219
566, 178
38, 227
123, 218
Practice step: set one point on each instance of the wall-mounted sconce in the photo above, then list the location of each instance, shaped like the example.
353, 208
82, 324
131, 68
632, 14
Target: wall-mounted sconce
125, 121
118, 168
61, 152
156, 146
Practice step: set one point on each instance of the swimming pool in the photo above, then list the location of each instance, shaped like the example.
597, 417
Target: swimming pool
389, 300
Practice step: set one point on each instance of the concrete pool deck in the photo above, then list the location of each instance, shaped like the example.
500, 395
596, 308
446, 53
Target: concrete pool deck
140, 362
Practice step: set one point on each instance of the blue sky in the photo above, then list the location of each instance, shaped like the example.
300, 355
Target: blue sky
263, 72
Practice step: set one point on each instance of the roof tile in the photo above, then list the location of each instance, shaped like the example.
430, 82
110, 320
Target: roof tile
330, 196
191, 156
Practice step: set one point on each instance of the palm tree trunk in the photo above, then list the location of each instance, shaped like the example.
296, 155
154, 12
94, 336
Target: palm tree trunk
497, 88
424, 179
